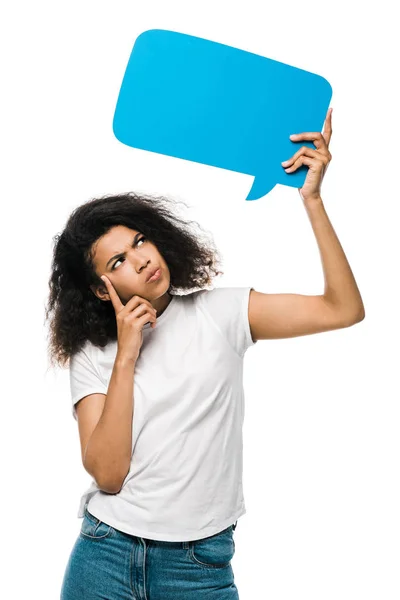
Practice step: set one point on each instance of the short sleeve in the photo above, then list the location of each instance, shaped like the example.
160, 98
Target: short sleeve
84, 378
229, 309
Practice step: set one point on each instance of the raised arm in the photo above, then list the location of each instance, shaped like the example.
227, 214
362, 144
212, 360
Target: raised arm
341, 305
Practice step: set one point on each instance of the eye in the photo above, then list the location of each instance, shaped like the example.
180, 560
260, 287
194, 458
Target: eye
122, 258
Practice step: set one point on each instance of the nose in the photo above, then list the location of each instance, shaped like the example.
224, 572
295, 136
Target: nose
143, 267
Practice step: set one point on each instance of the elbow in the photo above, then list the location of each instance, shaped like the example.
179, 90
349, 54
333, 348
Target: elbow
110, 486
360, 314
355, 318
111, 483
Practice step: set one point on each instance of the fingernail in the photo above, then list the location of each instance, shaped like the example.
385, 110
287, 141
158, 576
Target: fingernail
293, 135
285, 162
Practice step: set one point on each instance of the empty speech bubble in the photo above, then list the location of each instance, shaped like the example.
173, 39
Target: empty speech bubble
210, 103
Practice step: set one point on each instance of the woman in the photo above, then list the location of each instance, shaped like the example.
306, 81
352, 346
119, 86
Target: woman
156, 385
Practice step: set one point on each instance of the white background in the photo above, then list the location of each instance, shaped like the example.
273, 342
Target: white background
321, 432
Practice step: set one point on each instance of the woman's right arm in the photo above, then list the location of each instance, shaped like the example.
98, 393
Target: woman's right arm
107, 456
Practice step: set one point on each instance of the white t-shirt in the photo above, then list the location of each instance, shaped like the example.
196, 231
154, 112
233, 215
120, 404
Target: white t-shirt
185, 478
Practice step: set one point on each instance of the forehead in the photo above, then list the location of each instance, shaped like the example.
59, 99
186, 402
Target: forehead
112, 242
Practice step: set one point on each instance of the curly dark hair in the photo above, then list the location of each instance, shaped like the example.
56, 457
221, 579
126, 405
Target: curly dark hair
75, 313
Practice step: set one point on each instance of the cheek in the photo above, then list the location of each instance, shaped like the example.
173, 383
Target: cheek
129, 282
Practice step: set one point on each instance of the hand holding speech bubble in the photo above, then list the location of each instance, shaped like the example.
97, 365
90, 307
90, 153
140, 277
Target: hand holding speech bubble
210, 103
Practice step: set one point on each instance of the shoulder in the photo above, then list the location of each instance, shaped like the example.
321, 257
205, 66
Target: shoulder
228, 308
85, 358
223, 296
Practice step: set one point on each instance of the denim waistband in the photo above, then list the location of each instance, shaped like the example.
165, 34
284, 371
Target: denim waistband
161, 542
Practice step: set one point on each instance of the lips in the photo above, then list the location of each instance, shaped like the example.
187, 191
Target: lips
152, 273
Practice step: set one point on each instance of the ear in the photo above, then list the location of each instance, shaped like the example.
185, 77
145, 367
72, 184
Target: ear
100, 292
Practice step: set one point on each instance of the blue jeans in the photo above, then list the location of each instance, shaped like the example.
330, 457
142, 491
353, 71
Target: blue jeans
106, 563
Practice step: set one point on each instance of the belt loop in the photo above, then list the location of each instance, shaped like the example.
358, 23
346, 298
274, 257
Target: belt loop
234, 526
185, 545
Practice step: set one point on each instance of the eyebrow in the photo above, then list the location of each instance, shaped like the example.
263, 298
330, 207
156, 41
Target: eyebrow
120, 254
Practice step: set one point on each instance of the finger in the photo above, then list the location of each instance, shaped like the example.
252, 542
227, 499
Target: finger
327, 132
303, 150
142, 300
313, 136
116, 302
314, 163
306, 151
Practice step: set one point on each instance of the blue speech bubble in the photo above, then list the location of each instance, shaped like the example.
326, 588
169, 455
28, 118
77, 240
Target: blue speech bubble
206, 102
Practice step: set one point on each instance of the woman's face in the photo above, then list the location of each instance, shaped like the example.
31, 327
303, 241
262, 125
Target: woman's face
129, 273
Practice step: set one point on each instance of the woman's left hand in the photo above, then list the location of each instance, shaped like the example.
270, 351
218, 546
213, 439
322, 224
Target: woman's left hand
317, 160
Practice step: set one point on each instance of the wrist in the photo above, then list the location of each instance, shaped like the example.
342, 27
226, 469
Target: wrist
314, 201
124, 362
